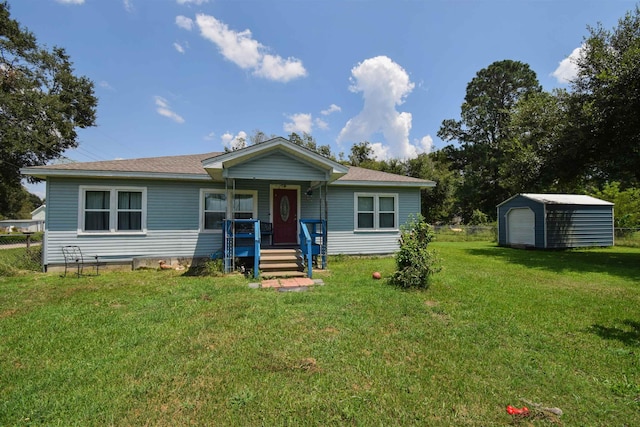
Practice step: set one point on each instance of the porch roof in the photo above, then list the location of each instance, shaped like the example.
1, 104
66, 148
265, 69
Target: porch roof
219, 166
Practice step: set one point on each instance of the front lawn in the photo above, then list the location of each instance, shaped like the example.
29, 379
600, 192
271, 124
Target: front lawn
497, 326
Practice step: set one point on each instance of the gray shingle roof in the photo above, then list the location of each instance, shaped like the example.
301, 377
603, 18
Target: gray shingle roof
191, 164
185, 164
363, 174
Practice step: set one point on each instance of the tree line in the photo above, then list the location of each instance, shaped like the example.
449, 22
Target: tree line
511, 137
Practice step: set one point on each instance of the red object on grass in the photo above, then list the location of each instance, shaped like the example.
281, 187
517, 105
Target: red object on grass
377, 275
511, 410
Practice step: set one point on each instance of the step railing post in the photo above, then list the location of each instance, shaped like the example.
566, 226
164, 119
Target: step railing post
256, 242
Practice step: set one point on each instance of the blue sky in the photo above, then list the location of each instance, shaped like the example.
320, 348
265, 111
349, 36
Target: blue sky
191, 76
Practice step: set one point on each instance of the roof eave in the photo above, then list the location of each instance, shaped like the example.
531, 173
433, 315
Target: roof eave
46, 173
384, 184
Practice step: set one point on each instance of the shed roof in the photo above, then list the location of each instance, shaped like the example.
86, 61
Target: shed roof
562, 199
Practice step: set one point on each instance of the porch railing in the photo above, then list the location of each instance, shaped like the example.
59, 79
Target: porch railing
313, 242
241, 239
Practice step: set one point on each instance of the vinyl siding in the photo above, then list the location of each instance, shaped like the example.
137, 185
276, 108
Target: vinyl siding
170, 205
342, 237
173, 219
579, 226
161, 243
277, 166
362, 243
62, 204
341, 204
173, 215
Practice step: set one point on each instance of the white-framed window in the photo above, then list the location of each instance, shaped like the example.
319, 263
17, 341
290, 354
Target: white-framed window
375, 211
214, 207
112, 209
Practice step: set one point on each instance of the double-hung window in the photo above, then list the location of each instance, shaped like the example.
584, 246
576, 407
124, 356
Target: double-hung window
97, 210
112, 210
215, 207
376, 211
129, 210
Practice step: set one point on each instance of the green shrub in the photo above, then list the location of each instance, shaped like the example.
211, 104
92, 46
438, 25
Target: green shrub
478, 218
210, 267
414, 261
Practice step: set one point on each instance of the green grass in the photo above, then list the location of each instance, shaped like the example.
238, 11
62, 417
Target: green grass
16, 261
496, 326
630, 239
466, 234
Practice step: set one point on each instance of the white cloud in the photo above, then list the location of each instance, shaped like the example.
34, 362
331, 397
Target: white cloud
234, 142
196, 2
71, 1
178, 47
184, 22
333, 108
425, 144
210, 136
105, 84
384, 85
321, 124
568, 70
128, 5
380, 151
165, 110
276, 68
247, 53
300, 123
237, 47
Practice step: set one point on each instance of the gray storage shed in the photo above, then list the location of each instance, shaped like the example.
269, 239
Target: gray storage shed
555, 221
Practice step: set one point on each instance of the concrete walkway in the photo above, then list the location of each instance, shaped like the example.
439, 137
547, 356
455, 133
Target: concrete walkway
286, 284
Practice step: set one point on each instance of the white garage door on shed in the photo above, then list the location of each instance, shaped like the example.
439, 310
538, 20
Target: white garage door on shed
521, 227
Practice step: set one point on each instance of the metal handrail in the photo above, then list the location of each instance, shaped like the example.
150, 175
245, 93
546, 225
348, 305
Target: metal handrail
229, 250
307, 239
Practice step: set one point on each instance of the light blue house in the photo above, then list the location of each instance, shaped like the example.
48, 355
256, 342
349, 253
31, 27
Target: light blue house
244, 203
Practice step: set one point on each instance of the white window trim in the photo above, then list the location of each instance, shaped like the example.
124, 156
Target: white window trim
376, 212
113, 210
204, 191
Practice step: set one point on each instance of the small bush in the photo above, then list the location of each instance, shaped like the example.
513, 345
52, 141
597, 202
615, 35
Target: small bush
478, 218
414, 261
211, 267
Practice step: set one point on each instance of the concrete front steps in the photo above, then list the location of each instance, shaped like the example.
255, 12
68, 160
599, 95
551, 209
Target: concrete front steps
281, 263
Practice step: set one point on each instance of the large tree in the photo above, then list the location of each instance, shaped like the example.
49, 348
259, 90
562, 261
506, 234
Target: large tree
531, 162
308, 141
483, 129
361, 153
42, 103
439, 203
607, 92
19, 203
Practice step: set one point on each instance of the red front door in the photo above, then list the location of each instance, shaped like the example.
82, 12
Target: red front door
285, 216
